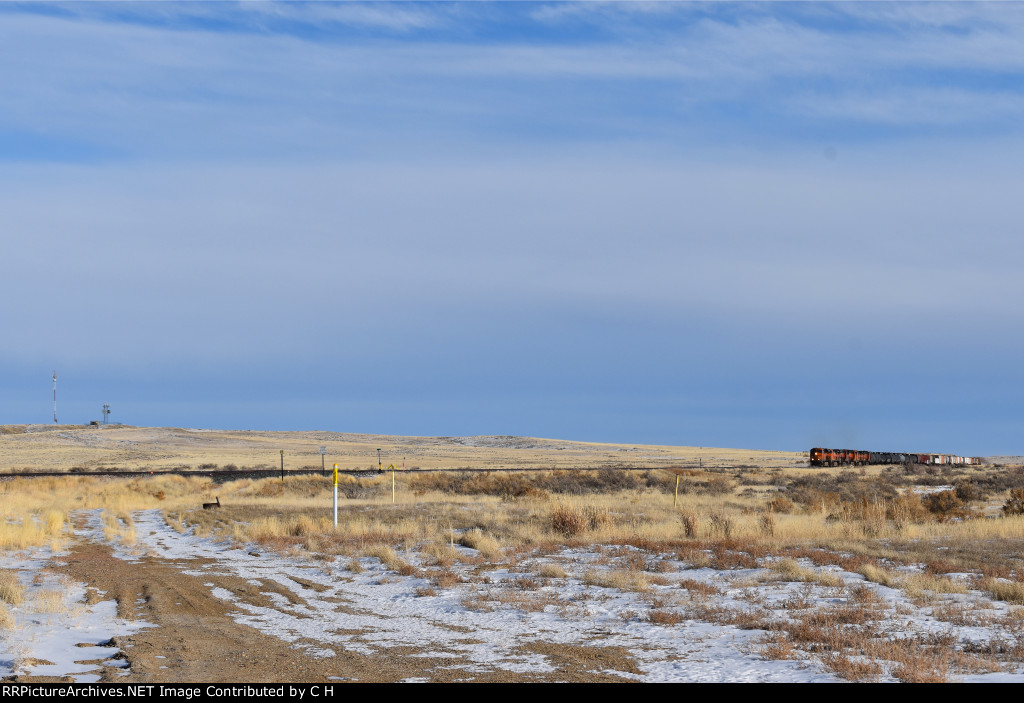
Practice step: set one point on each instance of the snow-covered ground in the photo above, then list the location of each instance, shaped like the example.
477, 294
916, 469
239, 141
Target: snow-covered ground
482, 621
53, 630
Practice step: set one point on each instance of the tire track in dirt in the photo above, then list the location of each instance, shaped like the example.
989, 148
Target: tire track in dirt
194, 638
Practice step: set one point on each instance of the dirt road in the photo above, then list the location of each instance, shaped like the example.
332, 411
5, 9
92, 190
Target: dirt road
194, 638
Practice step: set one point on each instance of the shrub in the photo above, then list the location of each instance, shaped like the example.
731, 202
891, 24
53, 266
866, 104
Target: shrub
356, 489
781, 504
658, 616
967, 491
945, 504
829, 492
699, 588
1015, 503
907, 508
719, 485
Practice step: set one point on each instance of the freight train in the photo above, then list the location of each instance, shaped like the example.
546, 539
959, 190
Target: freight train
856, 457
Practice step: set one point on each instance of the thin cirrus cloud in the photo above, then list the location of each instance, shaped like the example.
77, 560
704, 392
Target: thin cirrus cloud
123, 84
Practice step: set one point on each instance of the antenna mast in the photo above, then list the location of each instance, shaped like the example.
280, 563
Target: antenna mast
55, 397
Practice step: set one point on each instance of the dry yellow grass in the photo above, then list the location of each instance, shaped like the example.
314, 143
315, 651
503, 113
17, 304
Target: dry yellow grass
35, 511
551, 571
389, 559
48, 600
1001, 589
622, 579
118, 526
295, 513
880, 575
790, 570
443, 554
6, 617
486, 544
11, 590
924, 585
727, 522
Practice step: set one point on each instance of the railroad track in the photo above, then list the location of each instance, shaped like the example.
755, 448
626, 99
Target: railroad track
222, 475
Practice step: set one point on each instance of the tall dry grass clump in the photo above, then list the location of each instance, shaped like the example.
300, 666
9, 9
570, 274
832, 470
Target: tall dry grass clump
791, 570
879, 575
49, 600
11, 590
549, 570
568, 520
622, 579
690, 523
389, 559
486, 544
1004, 590
442, 554
119, 525
720, 525
572, 521
6, 618
925, 585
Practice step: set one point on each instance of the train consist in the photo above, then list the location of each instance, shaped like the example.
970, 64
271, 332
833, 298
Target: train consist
856, 457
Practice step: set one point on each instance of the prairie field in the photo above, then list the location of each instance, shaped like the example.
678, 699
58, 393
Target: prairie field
749, 567
83, 449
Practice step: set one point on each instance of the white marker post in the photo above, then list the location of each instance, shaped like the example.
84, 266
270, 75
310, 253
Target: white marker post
335, 496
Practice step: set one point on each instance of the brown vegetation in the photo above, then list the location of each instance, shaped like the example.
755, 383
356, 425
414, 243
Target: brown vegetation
847, 532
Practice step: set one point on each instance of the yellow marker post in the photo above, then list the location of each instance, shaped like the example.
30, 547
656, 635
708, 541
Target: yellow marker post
393, 469
335, 496
674, 498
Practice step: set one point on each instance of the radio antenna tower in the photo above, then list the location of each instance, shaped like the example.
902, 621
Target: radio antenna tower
55, 397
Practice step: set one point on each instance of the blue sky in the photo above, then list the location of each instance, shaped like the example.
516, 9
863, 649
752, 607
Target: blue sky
766, 225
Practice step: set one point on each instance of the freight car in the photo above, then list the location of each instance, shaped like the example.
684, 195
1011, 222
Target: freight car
855, 457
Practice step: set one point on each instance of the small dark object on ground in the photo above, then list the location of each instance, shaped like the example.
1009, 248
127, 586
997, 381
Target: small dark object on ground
207, 506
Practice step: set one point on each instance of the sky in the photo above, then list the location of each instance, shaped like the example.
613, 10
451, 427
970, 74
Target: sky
764, 225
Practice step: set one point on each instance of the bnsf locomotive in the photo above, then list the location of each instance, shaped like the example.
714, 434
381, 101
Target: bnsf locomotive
855, 457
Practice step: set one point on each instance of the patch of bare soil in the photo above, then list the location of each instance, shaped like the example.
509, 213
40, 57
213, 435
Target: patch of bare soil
195, 639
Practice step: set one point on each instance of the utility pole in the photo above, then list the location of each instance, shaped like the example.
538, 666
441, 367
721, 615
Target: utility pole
55, 397
323, 453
